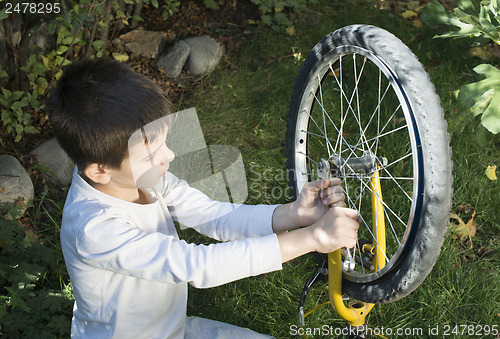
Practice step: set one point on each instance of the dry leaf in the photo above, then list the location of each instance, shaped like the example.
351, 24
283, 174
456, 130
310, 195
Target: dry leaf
491, 172
122, 57
417, 23
463, 231
409, 14
484, 52
336, 72
290, 31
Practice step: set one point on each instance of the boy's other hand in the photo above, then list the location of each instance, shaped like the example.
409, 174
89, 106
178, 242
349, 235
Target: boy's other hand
336, 229
316, 198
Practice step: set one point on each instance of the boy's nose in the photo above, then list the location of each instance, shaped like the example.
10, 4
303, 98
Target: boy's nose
167, 156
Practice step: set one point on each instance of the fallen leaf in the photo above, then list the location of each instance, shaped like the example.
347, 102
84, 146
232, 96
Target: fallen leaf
408, 14
417, 23
491, 172
463, 231
484, 52
336, 73
122, 57
290, 31
463, 208
486, 250
414, 6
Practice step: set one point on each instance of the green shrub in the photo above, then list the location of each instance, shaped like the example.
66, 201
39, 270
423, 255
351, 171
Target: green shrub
479, 21
15, 117
35, 302
80, 28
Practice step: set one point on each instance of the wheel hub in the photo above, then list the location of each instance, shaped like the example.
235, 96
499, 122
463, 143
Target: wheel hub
338, 166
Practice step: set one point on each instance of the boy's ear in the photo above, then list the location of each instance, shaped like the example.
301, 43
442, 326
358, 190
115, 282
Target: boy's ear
97, 173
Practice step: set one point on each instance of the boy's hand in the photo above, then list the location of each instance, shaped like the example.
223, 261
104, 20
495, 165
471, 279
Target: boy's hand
316, 198
337, 228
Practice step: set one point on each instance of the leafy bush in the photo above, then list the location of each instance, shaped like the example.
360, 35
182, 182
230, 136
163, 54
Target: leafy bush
14, 116
34, 300
479, 21
80, 29
277, 13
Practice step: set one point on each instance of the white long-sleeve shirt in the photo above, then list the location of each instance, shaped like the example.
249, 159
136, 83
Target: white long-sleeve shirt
129, 269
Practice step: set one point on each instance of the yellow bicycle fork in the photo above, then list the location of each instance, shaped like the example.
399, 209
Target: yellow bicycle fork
356, 312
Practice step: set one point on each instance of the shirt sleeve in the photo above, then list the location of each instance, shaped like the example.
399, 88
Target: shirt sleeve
219, 220
113, 244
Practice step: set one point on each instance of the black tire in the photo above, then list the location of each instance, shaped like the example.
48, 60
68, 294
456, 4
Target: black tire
412, 149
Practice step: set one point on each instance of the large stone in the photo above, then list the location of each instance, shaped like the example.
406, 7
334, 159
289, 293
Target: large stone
144, 43
51, 155
173, 62
204, 56
15, 182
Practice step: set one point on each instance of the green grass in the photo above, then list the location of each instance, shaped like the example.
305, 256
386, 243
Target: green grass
244, 104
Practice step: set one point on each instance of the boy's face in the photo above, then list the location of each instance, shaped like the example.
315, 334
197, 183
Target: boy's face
148, 160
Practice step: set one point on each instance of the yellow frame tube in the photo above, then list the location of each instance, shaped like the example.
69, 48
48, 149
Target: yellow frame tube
378, 222
356, 313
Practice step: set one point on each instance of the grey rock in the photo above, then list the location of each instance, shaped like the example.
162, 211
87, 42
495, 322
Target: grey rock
15, 182
51, 155
173, 62
205, 54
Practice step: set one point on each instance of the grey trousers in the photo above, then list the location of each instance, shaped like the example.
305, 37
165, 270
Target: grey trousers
200, 328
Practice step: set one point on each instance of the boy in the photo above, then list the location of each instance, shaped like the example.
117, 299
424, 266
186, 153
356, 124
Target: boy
128, 267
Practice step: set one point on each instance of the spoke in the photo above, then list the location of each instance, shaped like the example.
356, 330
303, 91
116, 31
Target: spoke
401, 188
322, 137
386, 215
356, 91
390, 118
363, 221
392, 227
376, 195
342, 119
323, 114
378, 107
383, 128
353, 203
360, 256
351, 109
367, 177
360, 195
400, 159
308, 157
377, 110
348, 101
335, 126
324, 123
387, 133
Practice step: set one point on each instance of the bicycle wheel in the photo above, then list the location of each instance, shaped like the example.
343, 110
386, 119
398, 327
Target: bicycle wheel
363, 104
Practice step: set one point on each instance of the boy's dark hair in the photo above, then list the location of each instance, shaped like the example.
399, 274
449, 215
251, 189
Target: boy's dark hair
97, 105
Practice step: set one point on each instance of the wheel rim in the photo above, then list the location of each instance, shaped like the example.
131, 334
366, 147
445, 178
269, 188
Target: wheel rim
354, 111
